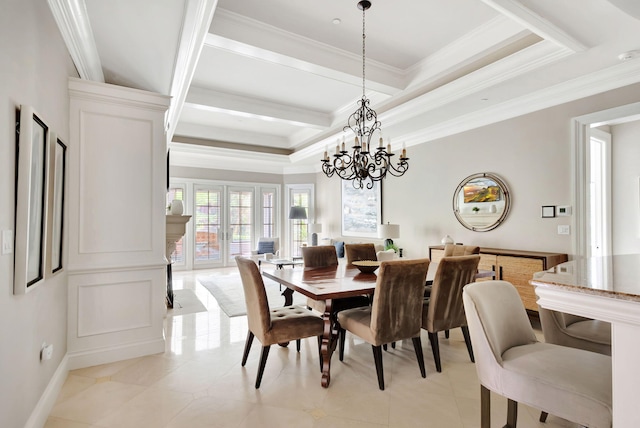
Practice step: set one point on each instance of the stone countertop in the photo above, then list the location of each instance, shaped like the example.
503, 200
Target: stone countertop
616, 277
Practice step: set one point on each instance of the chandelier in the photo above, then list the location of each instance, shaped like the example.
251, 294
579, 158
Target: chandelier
366, 163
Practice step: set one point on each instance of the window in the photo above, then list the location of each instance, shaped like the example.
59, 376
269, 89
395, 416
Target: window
269, 213
240, 222
299, 195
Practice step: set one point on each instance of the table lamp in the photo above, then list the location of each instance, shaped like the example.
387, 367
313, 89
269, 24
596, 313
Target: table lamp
315, 228
388, 232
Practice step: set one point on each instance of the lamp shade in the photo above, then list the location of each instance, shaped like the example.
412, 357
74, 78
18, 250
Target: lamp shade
388, 231
297, 213
315, 228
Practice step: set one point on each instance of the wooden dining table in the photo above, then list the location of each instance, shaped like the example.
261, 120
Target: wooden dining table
329, 283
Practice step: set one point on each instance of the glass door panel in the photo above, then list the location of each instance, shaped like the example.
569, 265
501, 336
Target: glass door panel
241, 215
209, 231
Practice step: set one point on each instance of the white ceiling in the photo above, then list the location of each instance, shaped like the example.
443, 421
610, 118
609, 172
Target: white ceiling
267, 85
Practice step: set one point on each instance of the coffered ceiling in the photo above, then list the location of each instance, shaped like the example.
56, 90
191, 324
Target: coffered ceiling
268, 85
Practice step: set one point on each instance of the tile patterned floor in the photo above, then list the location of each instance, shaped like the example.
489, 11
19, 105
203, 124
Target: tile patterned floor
198, 382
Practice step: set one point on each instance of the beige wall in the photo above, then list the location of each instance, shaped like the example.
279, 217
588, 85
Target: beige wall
532, 153
625, 177
34, 71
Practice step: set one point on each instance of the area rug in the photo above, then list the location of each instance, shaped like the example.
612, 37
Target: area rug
185, 302
229, 294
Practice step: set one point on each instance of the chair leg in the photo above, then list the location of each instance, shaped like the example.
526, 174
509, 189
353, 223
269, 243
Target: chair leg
435, 347
320, 351
377, 356
342, 333
393, 345
446, 334
247, 347
263, 361
417, 345
485, 407
543, 416
512, 413
467, 340
298, 345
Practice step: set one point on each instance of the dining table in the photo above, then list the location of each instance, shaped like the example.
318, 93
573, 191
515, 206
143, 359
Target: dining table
329, 283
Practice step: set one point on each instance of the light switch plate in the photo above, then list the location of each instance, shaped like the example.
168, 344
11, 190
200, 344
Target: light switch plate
564, 229
7, 241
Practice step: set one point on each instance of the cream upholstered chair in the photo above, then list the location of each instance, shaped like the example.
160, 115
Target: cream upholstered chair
394, 314
443, 309
267, 248
573, 384
326, 256
357, 252
272, 325
460, 250
575, 331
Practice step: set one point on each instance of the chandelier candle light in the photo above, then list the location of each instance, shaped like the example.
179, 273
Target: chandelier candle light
366, 164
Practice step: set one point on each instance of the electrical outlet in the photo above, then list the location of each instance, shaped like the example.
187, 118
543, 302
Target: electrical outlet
46, 351
7, 241
564, 229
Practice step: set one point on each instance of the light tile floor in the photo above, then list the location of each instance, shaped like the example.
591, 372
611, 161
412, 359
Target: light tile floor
198, 382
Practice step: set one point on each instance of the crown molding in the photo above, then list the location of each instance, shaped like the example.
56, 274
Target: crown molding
73, 22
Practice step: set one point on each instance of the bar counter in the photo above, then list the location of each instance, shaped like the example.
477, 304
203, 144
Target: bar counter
608, 289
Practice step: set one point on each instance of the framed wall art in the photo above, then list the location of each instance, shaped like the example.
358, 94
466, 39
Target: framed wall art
55, 206
31, 166
361, 210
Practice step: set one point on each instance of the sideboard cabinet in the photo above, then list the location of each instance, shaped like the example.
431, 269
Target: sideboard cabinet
515, 266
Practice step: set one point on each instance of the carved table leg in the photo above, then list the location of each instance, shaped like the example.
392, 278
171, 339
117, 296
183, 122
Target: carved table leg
327, 344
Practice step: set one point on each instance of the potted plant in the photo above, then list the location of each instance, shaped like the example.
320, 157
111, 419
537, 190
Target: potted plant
475, 209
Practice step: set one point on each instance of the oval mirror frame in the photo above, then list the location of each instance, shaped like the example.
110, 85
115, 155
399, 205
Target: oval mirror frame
486, 203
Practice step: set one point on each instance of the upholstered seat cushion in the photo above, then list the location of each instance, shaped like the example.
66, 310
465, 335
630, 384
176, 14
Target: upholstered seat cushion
543, 375
593, 330
291, 322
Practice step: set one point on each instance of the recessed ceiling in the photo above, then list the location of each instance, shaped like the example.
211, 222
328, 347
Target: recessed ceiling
282, 77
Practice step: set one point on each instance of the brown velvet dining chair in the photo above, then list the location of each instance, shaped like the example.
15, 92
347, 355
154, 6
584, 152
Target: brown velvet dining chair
394, 314
460, 250
443, 309
272, 326
326, 256
358, 252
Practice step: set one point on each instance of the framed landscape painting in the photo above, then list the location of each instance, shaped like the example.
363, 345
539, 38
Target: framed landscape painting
361, 210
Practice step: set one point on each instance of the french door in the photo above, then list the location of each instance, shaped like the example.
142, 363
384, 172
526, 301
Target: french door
223, 224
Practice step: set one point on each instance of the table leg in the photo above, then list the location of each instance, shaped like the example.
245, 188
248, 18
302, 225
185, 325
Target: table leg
328, 344
288, 296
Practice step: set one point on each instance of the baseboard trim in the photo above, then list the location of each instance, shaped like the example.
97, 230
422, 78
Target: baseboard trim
43, 408
94, 357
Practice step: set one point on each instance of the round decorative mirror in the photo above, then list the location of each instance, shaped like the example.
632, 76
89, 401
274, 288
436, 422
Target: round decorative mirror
481, 202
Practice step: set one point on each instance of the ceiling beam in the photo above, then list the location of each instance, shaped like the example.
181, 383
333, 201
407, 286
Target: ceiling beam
207, 99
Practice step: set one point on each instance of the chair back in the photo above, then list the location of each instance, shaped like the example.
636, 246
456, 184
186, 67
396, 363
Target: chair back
575, 331
460, 250
357, 252
497, 321
446, 310
320, 256
397, 302
255, 296
276, 243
